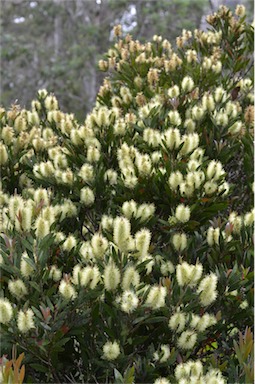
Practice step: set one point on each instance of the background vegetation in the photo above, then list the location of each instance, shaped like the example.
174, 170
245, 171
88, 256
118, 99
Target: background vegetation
56, 44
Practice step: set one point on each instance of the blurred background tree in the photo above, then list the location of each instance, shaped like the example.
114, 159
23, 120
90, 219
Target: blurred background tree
56, 44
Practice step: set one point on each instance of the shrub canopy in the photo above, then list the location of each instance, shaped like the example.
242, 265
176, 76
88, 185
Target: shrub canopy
127, 239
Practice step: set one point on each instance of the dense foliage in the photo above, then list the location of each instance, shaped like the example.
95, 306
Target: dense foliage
126, 252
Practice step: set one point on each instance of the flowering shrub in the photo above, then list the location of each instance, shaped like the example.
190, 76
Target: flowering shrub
126, 254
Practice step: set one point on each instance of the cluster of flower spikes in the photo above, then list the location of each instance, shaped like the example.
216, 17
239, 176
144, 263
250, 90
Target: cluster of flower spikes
139, 137
156, 73
192, 372
37, 210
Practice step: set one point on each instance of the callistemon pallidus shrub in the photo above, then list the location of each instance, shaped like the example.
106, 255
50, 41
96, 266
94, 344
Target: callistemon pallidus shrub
124, 250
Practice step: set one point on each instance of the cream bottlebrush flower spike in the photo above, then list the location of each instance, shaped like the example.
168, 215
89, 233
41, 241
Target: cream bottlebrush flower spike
111, 277
121, 233
25, 320
6, 311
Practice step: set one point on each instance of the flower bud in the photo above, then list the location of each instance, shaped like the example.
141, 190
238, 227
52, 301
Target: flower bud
197, 155
125, 95
193, 165
246, 84
77, 275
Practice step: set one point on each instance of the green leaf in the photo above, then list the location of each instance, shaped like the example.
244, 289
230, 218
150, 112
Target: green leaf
30, 262
35, 286
158, 319
39, 367
118, 377
129, 376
